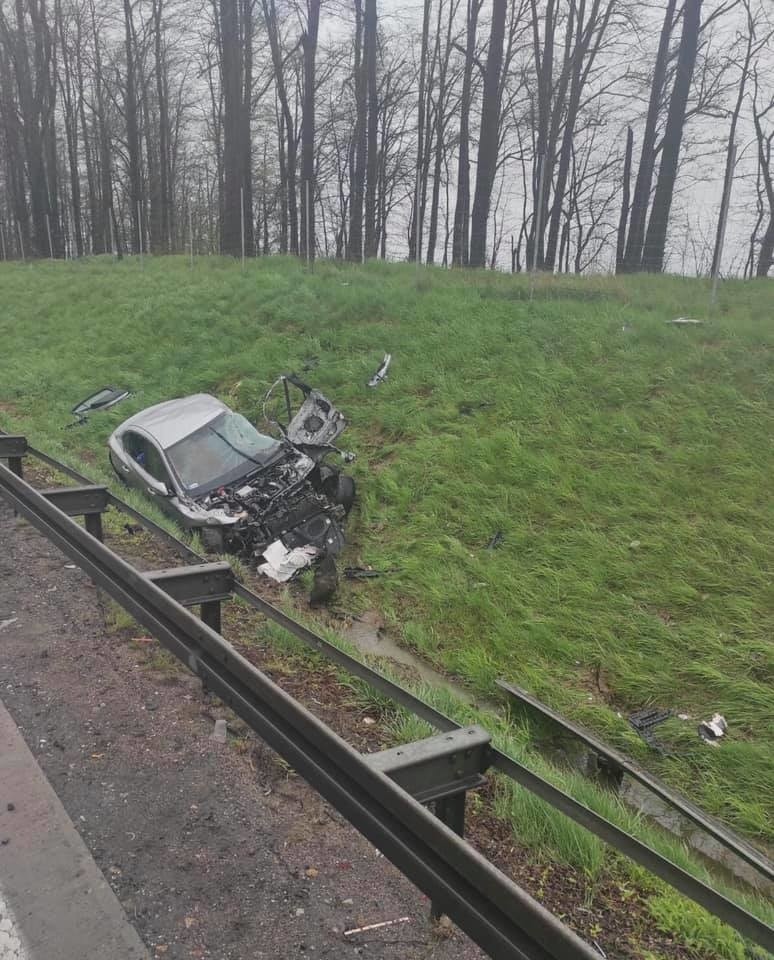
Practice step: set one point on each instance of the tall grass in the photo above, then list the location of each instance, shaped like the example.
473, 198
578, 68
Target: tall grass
627, 463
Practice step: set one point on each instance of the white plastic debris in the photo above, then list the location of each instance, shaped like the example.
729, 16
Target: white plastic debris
712, 730
283, 563
8, 622
685, 322
381, 374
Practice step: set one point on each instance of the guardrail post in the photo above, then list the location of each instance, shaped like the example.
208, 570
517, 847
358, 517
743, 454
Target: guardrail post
15, 466
451, 810
93, 523
12, 449
210, 614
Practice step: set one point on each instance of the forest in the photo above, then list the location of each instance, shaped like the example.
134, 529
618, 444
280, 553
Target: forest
564, 136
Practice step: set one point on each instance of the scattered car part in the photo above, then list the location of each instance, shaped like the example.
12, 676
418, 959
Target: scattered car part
326, 581
496, 540
282, 564
241, 490
466, 409
685, 322
101, 400
712, 730
644, 721
365, 573
381, 374
315, 425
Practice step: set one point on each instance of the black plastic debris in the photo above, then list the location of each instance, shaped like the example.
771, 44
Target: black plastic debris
645, 721
381, 374
365, 573
101, 400
467, 409
496, 540
326, 581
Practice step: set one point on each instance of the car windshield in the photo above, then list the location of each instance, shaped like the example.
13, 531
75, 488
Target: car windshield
220, 452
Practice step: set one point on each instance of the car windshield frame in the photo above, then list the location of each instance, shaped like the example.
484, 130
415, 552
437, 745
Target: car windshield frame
224, 441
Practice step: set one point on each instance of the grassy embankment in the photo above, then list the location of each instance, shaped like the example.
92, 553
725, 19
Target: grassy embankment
627, 462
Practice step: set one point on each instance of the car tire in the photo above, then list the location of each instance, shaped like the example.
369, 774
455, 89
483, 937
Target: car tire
212, 539
341, 489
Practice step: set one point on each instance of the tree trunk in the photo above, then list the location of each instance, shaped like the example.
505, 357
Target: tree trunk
165, 226
625, 201
372, 169
655, 239
245, 113
415, 229
488, 137
270, 16
639, 211
357, 174
309, 185
132, 131
460, 237
231, 58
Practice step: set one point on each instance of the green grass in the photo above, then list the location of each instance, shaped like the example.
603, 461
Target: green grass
627, 462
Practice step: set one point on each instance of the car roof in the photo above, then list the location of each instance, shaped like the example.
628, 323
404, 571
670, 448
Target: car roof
173, 420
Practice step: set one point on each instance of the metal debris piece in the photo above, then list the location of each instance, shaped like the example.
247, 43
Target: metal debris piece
712, 730
685, 322
381, 374
496, 540
377, 926
7, 623
644, 721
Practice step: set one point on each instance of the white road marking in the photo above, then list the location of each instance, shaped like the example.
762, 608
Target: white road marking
11, 940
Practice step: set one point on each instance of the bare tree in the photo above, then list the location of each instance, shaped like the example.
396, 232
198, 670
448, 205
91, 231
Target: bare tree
488, 137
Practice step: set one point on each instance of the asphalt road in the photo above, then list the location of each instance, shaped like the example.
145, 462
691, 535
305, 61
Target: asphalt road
212, 852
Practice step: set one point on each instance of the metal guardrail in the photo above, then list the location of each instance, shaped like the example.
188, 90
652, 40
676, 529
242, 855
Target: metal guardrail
498, 915
714, 902
616, 761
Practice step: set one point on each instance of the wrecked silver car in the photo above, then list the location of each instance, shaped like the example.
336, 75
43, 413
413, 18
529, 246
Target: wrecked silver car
274, 499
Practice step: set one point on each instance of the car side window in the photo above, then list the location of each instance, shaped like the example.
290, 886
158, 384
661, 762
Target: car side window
146, 454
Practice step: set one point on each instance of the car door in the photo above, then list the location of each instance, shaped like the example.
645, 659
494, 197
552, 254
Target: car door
148, 469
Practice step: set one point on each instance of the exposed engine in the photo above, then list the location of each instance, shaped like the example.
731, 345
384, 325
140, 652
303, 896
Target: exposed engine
284, 501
